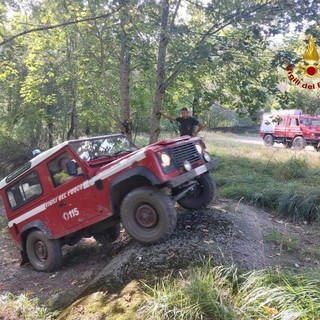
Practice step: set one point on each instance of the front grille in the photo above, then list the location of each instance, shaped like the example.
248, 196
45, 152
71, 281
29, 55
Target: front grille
184, 152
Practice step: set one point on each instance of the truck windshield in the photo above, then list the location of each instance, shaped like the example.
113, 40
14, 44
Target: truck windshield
102, 147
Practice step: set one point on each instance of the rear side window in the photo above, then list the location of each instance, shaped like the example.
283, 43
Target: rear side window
294, 122
25, 190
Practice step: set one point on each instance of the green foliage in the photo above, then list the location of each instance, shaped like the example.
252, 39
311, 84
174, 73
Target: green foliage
226, 293
64, 82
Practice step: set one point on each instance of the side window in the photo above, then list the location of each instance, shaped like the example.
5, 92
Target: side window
58, 169
28, 188
294, 122
279, 121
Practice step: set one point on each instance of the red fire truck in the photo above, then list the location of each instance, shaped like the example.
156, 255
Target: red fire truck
86, 187
292, 129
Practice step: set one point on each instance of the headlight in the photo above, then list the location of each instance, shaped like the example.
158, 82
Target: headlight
187, 165
165, 160
199, 148
206, 156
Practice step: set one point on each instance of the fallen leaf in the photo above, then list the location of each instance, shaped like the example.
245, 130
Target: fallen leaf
269, 310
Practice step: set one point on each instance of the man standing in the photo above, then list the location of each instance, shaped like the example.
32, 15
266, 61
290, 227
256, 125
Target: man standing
186, 123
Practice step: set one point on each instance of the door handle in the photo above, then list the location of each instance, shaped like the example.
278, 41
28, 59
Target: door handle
61, 204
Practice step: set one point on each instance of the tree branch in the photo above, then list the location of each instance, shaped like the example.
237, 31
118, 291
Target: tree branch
60, 25
216, 27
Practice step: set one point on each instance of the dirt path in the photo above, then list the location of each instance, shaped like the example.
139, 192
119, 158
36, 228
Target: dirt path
228, 232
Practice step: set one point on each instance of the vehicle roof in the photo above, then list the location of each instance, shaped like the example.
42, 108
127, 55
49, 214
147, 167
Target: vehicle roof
43, 156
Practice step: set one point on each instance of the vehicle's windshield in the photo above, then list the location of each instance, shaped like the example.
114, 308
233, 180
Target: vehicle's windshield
310, 122
102, 147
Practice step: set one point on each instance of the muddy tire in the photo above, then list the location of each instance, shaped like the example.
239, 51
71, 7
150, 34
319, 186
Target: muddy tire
44, 254
109, 235
268, 140
202, 195
299, 143
148, 215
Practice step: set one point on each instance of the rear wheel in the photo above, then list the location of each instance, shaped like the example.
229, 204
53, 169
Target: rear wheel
202, 193
268, 140
299, 143
109, 235
148, 215
44, 254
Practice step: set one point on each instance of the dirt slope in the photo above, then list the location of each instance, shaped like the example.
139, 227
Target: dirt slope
228, 232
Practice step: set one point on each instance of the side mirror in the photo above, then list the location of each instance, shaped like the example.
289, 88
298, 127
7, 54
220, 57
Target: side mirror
72, 168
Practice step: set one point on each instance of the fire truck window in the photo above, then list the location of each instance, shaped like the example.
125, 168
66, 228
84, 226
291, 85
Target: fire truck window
28, 188
294, 122
280, 122
58, 170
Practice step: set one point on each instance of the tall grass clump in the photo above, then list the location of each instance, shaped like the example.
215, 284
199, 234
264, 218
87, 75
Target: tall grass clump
23, 307
227, 293
203, 295
294, 168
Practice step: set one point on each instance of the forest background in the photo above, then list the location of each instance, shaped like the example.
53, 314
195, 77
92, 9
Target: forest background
72, 68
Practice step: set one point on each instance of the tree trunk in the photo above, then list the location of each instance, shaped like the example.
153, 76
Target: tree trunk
50, 133
74, 126
126, 123
160, 84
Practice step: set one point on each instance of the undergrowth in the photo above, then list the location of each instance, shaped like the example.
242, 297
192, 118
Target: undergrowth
223, 293
23, 307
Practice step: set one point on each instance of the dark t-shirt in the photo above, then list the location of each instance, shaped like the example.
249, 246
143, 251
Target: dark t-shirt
187, 125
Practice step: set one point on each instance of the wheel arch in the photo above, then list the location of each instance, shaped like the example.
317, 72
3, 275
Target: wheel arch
32, 226
126, 182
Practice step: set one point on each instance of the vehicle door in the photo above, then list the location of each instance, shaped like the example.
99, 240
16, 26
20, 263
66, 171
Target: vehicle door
293, 128
280, 130
75, 200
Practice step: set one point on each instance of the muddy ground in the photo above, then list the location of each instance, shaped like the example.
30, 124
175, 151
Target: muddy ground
227, 232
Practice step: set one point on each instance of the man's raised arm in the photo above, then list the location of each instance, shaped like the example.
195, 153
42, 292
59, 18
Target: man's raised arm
167, 116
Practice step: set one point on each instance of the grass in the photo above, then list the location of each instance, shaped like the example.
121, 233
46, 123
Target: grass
282, 180
224, 293
22, 307
282, 241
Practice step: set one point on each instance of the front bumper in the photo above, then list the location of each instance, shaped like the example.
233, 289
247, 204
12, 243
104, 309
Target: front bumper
177, 181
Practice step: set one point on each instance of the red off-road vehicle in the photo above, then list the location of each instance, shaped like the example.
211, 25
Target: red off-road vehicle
292, 130
86, 187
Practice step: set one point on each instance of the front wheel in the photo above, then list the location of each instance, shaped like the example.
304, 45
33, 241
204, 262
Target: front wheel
44, 254
299, 143
148, 215
268, 140
202, 193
